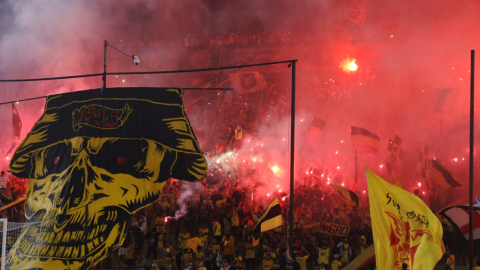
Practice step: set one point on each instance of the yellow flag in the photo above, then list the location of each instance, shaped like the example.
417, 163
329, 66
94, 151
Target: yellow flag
404, 229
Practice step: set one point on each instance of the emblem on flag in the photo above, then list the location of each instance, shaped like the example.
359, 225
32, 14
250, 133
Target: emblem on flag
404, 229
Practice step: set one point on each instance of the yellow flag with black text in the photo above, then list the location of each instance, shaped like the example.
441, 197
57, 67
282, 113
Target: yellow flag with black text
404, 229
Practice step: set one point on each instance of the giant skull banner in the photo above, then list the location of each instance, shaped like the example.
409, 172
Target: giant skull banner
93, 159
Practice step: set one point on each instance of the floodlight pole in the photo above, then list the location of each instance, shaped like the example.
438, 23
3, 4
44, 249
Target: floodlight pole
472, 112
292, 161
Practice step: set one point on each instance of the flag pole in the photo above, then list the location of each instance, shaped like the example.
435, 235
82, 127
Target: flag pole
356, 173
470, 216
105, 64
292, 161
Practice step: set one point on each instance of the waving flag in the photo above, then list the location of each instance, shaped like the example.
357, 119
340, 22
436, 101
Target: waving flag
364, 141
395, 153
316, 131
347, 194
247, 82
459, 217
404, 229
444, 177
269, 221
17, 128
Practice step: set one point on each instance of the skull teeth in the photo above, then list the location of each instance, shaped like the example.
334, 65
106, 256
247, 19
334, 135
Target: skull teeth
48, 243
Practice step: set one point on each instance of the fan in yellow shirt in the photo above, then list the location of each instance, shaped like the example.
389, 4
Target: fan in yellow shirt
203, 231
199, 256
194, 242
228, 246
336, 264
267, 262
214, 246
324, 255
238, 258
363, 243
217, 229
183, 237
302, 259
161, 238
164, 204
160, 223
234, 218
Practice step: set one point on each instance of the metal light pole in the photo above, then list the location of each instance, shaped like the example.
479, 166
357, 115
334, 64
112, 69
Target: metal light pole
292, 161
470, 197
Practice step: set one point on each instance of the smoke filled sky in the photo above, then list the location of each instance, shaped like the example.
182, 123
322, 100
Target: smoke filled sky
406, 52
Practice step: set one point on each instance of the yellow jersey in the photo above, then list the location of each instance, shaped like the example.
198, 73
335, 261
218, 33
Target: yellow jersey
302, 261
267, 264
250, 251
184, 237
228, 247
217, 228
323, 256
336, 265
204, 233
193, 243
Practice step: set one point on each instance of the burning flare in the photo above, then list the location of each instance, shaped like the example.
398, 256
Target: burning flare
349, 65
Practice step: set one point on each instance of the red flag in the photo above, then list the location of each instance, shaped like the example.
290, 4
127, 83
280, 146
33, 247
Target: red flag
17, 128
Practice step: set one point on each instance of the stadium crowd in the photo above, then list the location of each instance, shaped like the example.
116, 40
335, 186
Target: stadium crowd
209, 224
255, 37
216, 231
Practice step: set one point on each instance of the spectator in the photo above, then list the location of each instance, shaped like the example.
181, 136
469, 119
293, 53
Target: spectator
129, 260
450, 264
302, 257
183, 238
225, 265
336, 264
228, 247
267, 263
3, 180
194, 242
324, 255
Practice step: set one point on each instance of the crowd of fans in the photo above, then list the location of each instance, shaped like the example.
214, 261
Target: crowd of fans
215, 231
209, 225
12, 189
237, 38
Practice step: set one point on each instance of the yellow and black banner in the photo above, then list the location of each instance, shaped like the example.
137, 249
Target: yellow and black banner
269, 221
347, 194
94, 159
329, 228
444, 177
